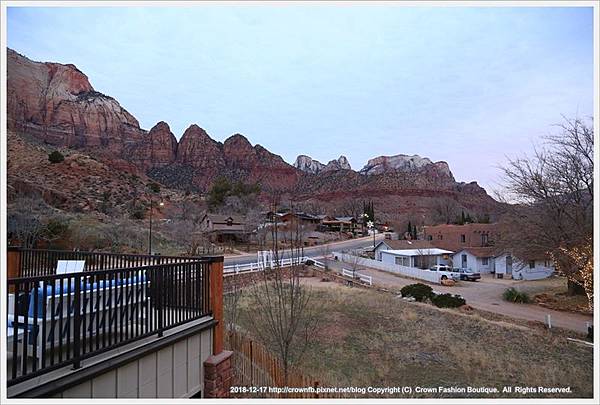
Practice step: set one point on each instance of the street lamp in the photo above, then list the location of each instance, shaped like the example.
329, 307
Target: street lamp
371, 225
161, 204
365, 216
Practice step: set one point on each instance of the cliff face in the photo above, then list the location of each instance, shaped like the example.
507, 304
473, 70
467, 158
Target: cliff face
56, 104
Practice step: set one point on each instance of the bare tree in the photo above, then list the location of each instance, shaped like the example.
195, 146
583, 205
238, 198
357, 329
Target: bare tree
355, 261
283, 317
445, 210
554, 194
325, 251
232, 295
25, 221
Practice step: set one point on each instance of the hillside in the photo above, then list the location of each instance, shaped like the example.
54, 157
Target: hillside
55, 104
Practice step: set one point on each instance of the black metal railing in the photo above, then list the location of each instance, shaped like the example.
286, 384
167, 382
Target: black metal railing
56, 320
38, 262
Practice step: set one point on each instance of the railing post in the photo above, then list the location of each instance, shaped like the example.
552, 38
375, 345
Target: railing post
77, 322
216, 301
158, 293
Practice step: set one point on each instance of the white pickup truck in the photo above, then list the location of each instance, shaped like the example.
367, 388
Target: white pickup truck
446, 272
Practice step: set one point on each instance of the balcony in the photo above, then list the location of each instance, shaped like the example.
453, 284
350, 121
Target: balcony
65, 330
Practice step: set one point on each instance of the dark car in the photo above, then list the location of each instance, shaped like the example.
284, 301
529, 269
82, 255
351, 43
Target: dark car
468, 274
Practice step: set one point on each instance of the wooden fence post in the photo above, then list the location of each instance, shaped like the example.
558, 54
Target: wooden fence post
216, 302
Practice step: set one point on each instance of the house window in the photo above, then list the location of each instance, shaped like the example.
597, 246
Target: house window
532, 264
484, 239
463, 238
440, 237
403, 261
547, 263
485, 261
429, 237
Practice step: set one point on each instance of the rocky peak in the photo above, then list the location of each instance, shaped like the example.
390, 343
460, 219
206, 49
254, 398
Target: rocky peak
404, 163
310, 165
340, 163
237, 144
198, 149
164, 144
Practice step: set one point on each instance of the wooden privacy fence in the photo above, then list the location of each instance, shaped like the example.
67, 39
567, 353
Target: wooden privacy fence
256, 367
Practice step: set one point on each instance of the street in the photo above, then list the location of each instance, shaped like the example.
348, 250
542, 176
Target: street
312, 251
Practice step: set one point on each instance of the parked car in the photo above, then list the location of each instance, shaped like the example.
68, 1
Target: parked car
468, 274
446, 272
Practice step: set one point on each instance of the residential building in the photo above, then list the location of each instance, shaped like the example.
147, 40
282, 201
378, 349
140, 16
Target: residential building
533, 269
221, 228
478, 259
338, 224
420, 258
456, 237
389, 244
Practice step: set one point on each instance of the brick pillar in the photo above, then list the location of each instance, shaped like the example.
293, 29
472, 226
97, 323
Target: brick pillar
218, 374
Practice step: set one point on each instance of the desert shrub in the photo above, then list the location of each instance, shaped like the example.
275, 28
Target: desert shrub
447, 300
418, 291
56, 157
138, 212
154, 187
514, 295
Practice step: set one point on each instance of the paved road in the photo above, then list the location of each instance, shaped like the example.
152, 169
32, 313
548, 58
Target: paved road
486, 295
313, 251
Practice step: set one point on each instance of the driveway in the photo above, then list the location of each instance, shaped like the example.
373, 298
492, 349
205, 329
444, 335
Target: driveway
485, 294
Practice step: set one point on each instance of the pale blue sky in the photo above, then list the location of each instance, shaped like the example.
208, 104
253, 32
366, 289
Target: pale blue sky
464, 85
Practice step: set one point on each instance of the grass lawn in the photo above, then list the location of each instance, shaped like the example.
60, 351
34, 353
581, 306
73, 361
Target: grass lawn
368, 338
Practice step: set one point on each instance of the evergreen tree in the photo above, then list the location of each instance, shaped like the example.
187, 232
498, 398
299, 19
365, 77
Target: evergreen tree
409, 228
414, 232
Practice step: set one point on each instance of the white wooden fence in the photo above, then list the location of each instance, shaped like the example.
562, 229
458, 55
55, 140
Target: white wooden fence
411, 272
260, 266
362, 277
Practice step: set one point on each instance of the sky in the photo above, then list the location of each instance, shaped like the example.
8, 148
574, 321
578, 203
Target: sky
467, 85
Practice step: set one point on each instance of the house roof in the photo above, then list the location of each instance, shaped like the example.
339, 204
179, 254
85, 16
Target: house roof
406, 244
222, 219
418, 252
479, 251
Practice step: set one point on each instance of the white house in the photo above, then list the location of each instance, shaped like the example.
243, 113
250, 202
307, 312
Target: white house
388, 244
479, 259
485, 260
534, 269
420, 258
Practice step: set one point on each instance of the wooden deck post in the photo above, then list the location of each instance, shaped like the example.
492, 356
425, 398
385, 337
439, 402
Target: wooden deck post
218, 372
216, 302
13, 263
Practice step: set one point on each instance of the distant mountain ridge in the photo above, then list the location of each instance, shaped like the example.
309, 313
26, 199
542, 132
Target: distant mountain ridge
56, 104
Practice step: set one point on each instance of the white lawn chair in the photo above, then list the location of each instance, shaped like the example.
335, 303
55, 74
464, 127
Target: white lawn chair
70, 266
